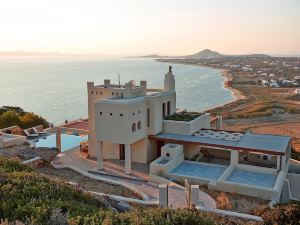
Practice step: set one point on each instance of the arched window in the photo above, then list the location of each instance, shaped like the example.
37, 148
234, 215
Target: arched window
139, 125
133, 127
122, 95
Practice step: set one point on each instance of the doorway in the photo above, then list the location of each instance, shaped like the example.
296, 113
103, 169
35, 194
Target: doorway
122, 151
159, 144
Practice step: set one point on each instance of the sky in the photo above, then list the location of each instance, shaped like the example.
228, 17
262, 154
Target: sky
176, 27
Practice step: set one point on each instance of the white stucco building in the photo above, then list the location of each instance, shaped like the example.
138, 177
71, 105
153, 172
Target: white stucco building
136, 124
122, 116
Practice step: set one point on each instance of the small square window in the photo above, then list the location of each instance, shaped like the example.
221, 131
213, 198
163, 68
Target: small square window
139, 111
133, 114
100, 113
121, 114
110, 114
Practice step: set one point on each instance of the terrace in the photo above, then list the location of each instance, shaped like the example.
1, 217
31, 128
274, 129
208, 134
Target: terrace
185, 123
184, 116
245, 163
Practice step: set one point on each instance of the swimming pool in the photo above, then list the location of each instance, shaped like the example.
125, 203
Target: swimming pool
252, 178
67, 141
199, 170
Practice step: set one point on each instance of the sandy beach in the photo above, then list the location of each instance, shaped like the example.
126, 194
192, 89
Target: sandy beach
227, 84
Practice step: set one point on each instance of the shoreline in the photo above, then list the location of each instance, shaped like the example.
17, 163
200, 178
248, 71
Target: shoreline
226, 84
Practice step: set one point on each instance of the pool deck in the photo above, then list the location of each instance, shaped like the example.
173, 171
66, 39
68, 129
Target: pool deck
138, 181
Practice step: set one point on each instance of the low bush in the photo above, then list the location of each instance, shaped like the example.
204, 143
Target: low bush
282, 214
34, 199
15, 116
184, 116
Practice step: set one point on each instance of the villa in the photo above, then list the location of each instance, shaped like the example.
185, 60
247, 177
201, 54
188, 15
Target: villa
132, 125
121, 118
136, 124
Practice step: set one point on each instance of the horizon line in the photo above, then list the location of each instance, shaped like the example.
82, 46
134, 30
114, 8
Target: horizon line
56, 53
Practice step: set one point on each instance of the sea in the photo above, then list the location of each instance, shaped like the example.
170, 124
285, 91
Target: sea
55, 88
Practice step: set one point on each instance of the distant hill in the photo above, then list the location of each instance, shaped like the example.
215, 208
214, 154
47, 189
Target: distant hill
206, 53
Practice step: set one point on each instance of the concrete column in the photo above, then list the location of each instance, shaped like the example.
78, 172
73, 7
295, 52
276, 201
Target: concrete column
58, 140
195, 197
127, 159
278, 162
1, 141
283, 162
219, 122
234, 157
99, 152
163, 195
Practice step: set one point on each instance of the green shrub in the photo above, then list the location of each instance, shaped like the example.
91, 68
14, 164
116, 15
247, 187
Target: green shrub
184, 116
15, 116
34, 199
9, 118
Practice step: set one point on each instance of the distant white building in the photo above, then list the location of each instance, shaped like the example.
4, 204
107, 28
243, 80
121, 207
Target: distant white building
247, 68
286, 82
265, 83
297, 77
274, 85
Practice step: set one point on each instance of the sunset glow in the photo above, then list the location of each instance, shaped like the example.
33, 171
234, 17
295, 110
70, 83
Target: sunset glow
144, 27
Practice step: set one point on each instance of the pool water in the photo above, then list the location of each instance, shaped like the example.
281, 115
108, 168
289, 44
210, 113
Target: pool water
67, 141
199, 170
252, 178
164, 161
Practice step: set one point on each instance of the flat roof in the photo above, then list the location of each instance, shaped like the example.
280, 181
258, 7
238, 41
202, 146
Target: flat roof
263, 143
81, 125
268, 142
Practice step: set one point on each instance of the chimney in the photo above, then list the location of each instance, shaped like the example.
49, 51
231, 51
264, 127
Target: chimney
106, 82
169, 82
90, 84
130, 85
143, 83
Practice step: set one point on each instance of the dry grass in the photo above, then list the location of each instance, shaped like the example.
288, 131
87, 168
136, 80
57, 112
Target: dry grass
223, 201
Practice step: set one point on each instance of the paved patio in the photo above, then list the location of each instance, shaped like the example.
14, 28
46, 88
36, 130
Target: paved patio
138, 181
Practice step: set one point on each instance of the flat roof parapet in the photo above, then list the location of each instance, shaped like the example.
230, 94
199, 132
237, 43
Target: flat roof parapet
263, 143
